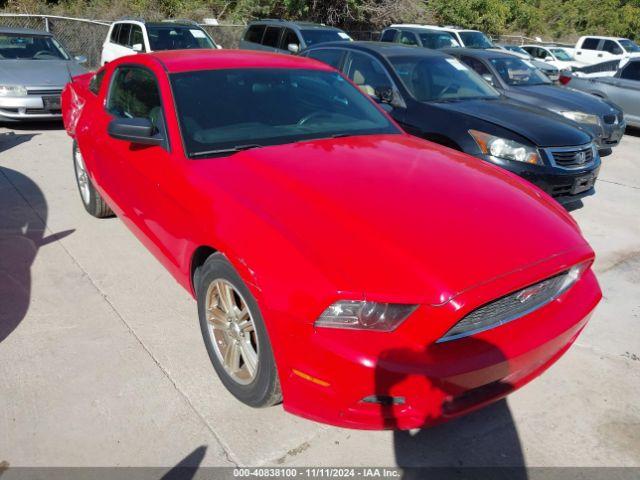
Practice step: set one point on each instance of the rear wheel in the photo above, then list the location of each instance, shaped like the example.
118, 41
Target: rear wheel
234, 334
91, 199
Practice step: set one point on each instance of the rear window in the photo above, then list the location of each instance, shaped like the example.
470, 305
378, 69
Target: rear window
329, 56
254, 33
96, 82
123, 35
115, 32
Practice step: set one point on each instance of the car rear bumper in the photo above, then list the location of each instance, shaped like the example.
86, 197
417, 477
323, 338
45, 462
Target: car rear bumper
371, 381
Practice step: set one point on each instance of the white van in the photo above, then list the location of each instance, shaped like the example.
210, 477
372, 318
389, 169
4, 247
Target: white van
126, 37
593, 49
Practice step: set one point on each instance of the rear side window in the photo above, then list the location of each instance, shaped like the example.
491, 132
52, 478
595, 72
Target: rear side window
590, 44
96, 81
408, 38
134, 94
331, 57
254, 33
388, 35
115, 32
123, 36
271, 37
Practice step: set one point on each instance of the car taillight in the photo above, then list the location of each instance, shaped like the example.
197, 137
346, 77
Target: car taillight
565, 79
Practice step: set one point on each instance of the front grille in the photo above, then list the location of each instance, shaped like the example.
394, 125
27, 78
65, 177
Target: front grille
44, 91
572, 158
509, 307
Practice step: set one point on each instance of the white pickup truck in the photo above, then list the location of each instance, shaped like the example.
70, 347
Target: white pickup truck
593, 49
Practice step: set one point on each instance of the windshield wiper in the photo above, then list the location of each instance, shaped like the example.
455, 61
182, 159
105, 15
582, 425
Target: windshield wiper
224, 151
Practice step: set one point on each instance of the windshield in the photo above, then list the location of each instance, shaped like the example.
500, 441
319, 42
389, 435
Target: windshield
475, 40
435, 40
30, 47
519, 72
440, 79
235, 109
171, 37
629, 46
561, 54
315, 36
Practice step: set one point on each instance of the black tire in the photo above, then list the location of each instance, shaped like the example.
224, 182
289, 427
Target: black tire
264, 390
92, 201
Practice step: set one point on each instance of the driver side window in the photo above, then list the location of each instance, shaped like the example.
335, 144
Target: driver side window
367, 73
134, 94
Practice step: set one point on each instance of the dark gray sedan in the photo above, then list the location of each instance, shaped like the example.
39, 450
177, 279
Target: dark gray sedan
34, 68
519, 80
623, 88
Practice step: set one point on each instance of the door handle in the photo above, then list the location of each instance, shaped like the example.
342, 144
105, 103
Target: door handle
599, 55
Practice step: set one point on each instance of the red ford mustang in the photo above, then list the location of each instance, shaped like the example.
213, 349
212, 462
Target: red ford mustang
364, 277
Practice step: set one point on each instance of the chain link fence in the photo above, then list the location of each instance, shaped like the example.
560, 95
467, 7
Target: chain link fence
79, 36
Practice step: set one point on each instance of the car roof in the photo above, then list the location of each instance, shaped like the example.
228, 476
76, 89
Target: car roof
446, 28
385, 49
24, 31
480, 53
175, 61
292, 23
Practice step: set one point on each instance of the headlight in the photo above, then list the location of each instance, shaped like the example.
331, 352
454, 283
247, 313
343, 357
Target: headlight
579, 117
504, 148
12, 91
361, 315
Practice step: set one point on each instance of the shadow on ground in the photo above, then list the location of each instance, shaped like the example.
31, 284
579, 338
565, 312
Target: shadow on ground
23, 220
9, 140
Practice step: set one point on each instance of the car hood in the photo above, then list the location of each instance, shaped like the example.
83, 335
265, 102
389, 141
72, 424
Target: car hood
38, 73
393, 216
540, 127
562, 98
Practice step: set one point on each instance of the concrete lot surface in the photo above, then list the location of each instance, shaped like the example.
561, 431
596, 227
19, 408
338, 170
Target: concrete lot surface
102, 362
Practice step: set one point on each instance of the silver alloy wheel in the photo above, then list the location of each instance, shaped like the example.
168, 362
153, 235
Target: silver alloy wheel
232, 331
83, 178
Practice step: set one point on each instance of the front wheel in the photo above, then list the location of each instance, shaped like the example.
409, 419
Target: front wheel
91, 199
235, 335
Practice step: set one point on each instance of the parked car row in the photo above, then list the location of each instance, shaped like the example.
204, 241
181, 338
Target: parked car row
509, 114
360, 275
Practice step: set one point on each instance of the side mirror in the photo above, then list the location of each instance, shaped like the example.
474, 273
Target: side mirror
548, 58
137, 47
488, 78
218, 46
135, 130
80, 59
293, 47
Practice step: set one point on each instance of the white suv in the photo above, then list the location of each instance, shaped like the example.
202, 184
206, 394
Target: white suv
465, 38
126, 37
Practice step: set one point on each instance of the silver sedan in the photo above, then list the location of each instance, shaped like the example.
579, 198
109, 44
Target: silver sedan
34, 68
